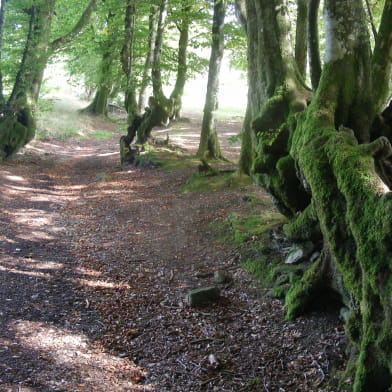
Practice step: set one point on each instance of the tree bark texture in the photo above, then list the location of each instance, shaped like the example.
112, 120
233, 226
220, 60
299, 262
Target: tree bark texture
178, 90
209, 144
320, 157
2, 17
313, 43
146, 77
127, 60
99, 105
300, 37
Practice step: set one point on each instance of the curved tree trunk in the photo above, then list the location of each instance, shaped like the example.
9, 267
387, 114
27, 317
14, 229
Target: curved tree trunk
99, 104
209, 144
321, 163
17, 124
160, 109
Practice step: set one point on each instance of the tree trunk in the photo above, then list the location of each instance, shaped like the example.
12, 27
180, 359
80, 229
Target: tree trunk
301, 49
320, 161
157, 85
313, 43
153, 27
99, 105
2, 17
209, 144
17, 125
178, 90
127, 61
160, 109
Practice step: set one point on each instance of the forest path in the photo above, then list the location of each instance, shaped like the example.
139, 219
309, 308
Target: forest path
95, 265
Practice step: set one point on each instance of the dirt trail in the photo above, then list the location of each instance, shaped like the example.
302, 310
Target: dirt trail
95, 264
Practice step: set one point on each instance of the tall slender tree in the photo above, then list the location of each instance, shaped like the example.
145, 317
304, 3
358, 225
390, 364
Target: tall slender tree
109, 49
146, 76
183, 27
209, 143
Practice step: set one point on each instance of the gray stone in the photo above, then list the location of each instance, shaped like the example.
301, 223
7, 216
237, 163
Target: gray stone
203, 296
222, 277
299, 253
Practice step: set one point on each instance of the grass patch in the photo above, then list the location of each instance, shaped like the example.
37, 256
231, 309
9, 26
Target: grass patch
57, 122
102, 134
254, 226
207, 182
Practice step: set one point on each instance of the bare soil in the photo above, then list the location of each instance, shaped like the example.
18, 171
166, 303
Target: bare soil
95, 263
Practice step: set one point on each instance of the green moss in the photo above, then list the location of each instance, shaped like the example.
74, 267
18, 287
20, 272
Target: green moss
102, 134
304, 290
347, 199
254, 226
15, 132
304, 227
273, 113
205, 182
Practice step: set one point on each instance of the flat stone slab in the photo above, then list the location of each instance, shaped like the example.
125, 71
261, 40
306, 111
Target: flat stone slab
203, 296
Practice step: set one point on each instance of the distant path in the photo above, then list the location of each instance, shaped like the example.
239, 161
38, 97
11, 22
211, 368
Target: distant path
95, 262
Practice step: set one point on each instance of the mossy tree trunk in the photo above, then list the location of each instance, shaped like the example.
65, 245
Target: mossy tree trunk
17, 124
209, 143
256, 82
326, 159
99, 104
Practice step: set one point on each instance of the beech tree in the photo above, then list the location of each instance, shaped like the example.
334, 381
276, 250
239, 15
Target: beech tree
109, 54
160, 109
17, 124
326, 158
209, 143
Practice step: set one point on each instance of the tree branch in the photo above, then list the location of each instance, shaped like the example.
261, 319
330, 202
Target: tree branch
82, 22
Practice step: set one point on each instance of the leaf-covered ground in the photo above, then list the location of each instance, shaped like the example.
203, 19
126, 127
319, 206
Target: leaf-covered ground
95, 263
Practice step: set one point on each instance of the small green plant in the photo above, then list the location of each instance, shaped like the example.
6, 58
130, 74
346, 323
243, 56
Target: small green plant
233, 140
245, 228
102, 134
208, 182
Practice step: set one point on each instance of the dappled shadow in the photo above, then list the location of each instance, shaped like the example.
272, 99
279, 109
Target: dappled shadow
46, 327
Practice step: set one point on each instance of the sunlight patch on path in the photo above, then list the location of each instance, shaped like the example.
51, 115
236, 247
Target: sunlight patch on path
72, 353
